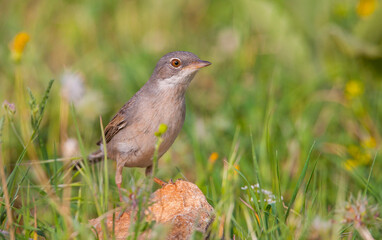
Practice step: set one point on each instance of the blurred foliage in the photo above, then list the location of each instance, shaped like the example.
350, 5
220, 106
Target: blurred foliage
284, 74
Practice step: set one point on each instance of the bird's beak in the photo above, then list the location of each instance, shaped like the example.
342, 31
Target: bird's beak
198, 64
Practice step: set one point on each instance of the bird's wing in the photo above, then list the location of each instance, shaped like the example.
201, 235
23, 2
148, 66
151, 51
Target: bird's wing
119, 121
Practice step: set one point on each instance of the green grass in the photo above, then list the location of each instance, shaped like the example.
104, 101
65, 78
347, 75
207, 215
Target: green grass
292, 102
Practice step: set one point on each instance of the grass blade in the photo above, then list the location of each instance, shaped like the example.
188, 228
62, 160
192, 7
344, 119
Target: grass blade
299, 182
368, 178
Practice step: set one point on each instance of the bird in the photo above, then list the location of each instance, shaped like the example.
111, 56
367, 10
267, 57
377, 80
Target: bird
130, 135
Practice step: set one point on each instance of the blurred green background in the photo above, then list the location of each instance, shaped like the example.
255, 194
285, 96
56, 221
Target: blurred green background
285, 75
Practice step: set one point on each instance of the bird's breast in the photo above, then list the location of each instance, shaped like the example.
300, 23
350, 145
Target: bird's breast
171, 112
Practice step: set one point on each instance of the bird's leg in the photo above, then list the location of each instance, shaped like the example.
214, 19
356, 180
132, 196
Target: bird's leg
118, 180
119, 192
149, 170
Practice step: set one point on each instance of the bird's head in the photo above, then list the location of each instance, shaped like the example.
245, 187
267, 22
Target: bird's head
176, 68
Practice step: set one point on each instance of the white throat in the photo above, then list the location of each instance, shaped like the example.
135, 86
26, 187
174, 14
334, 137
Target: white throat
184, 77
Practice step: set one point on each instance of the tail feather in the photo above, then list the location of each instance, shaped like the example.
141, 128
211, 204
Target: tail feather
94, 157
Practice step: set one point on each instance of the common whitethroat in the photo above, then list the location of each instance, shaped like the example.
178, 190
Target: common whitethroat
130, 135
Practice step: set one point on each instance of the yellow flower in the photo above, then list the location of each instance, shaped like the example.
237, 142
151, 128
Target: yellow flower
366, 7
358, 156
353, 89
350, 164
237, 167
213, 157
369, 143
17, 46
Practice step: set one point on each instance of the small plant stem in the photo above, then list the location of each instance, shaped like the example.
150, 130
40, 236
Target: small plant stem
18, 136
155, 162
6, 196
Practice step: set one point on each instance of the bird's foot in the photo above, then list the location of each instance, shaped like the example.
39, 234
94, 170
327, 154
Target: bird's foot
160, 182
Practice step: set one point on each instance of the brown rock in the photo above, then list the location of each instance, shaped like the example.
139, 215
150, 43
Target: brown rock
180, 205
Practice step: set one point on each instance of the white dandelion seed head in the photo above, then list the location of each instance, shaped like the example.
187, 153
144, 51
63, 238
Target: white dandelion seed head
70, 148
73, 87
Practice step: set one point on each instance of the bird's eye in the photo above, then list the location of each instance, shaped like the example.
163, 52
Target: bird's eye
175, 62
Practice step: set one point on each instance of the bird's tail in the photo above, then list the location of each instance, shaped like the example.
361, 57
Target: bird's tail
94, 157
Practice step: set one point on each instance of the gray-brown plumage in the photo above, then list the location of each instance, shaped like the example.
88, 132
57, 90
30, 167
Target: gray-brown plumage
130, 135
